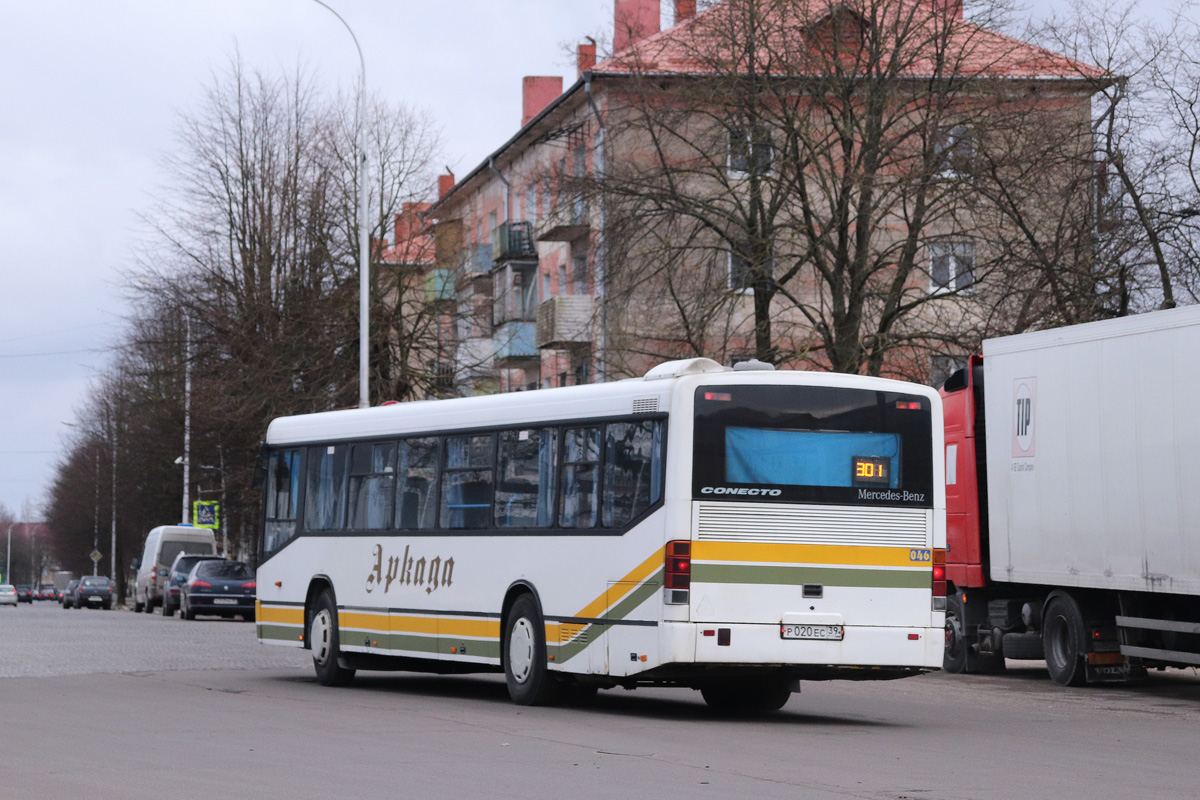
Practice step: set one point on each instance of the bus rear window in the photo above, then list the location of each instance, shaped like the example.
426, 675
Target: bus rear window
830, 458
812, 444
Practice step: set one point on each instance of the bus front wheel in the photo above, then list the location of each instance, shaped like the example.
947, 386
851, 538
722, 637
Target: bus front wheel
323, 639
530, 682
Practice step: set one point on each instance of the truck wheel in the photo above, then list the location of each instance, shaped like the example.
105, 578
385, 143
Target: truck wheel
954, 657
137, 605
1064, 641
168, 610
959, 655
530, 682
324, 640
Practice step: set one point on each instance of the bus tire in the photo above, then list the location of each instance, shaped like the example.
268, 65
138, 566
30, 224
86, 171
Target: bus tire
324, 640
738, 697
1064, 639
530, 682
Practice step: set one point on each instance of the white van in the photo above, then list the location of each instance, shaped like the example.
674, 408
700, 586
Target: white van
162, 545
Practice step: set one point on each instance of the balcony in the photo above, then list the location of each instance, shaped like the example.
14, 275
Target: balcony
513, 241
515, 342
564, 320
568, 222
477, 259
439, 285
514, 297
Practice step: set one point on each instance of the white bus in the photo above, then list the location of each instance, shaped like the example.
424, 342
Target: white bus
730, 530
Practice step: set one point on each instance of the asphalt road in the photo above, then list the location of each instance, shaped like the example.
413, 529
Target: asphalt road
120, 705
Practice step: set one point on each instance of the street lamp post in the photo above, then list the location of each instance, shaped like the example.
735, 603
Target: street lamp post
8, 554
363, 267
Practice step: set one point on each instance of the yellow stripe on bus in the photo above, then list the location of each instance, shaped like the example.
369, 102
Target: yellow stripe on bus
767, 553
432, 625
281, 616
628, 583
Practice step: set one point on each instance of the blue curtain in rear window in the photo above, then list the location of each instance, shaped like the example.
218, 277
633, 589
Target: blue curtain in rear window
804, 458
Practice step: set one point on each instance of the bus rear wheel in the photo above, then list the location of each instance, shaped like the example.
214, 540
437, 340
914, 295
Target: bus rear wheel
739, 697
530, 682
324, 641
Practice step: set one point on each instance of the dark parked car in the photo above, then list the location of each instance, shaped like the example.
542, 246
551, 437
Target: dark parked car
46, 593
226, 588
24, 594
177, 575
68, 594
94, 591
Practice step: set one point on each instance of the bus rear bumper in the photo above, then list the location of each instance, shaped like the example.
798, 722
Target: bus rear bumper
748, 644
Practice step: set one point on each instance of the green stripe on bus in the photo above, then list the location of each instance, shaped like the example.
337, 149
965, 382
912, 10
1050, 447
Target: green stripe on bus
431, 645
282, 633
829, 576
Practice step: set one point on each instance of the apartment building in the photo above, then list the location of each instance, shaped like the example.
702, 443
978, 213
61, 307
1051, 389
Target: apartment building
546, 296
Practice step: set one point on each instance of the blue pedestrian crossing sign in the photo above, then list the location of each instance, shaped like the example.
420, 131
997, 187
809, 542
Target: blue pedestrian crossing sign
206, 514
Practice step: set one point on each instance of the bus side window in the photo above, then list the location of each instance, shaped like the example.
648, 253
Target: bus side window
372, 486
283, 484
467, 482
325, 488
581, 472
416, 484
525, 478
632, 469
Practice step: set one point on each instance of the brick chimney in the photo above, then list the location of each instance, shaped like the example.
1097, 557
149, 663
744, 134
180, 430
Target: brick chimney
537, 92
634, 20
684, 9
585, 55
445, 184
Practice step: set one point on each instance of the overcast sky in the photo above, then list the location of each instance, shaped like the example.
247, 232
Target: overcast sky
90, 94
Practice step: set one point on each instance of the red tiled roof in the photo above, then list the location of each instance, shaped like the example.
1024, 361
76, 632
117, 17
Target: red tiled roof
693, 46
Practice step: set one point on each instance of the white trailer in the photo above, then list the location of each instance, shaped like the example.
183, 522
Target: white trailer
1089, 524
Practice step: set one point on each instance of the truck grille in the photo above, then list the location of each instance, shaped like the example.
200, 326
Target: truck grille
844, 525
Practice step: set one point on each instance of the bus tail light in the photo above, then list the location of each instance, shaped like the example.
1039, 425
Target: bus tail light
677, 572
939, 573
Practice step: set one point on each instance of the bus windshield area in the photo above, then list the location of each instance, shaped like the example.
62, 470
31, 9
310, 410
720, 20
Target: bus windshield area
812, 444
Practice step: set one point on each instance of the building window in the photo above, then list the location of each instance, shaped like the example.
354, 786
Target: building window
531, 211
954, 149
491, 222
545, 286
951, 266
741, 275
746, 150
579, 267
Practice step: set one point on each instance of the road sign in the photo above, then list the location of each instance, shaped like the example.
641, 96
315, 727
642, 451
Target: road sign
206, 514
96, 556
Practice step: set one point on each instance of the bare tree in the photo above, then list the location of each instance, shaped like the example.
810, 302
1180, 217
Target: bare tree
800, 162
